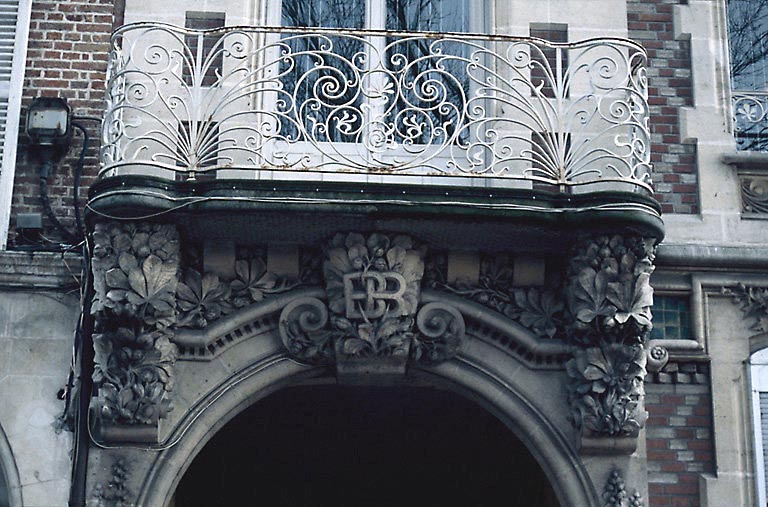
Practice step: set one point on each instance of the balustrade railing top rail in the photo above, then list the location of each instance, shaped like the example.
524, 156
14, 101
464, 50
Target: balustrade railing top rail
246, 102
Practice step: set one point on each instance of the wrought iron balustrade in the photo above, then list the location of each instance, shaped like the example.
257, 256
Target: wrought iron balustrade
750, 120
258, 102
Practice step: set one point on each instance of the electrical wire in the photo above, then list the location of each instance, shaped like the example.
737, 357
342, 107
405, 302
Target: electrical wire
76, 177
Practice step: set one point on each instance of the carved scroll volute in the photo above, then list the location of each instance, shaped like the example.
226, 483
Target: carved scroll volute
610, 298
304, 331
135, 276
441, 333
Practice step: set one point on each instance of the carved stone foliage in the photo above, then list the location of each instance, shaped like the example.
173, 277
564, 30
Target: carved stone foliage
609, 298
135, 276
373, 288
753, 301
204, 298
615, 492
754, 194
539, 309
606, 389
609, 291
115, 493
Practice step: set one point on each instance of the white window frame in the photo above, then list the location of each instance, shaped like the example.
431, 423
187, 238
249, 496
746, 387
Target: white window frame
13, 90
758, 370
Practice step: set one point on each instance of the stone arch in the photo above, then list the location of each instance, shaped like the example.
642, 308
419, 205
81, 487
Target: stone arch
488, 372
9, 471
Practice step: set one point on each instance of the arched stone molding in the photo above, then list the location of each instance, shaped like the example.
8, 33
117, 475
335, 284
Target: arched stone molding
9, 471
531, 402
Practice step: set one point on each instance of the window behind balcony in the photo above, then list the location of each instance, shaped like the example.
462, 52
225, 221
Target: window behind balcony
203, 55
324, 79
748, 38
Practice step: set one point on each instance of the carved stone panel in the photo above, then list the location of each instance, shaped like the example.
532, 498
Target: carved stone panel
609, 299
135, 277
371, 322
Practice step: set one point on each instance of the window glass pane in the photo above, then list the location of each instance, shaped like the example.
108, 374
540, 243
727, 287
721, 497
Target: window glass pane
320, 76
671, 318
428, 15
325, 13
432, 75
748, 37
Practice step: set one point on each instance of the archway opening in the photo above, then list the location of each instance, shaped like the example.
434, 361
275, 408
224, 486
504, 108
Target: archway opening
327, 445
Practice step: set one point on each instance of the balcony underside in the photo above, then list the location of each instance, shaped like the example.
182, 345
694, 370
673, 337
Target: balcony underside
304, 212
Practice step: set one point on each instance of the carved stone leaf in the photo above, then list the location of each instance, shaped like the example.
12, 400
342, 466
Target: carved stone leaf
338, 262
591, 295
412, 267
633, 299
127, 262
154, 284
395, 258
117, 279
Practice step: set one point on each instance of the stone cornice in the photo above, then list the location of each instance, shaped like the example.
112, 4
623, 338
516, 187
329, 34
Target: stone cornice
38, 270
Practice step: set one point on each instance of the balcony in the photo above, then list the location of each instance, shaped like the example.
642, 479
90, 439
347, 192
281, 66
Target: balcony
256, 118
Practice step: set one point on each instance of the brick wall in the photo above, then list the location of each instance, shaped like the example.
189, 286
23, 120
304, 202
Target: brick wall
66, 57
679, 434
650, 22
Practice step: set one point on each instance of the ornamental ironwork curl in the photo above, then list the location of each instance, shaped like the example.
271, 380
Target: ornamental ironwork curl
376, 102
750, 120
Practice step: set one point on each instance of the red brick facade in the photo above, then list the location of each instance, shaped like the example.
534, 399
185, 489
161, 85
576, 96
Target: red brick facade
650, 22
679, 434
67, 57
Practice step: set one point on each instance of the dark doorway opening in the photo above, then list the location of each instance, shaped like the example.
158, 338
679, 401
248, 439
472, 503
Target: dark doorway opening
338, 446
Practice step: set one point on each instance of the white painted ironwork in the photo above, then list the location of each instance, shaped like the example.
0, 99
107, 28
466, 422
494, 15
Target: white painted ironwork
750, 120
298, 103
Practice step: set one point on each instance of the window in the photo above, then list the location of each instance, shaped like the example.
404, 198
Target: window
546, 70
759, 381
201, 47
344, 110
748, 40
671, 318
14, 29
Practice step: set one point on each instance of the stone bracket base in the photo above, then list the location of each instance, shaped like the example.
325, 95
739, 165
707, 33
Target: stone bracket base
124, 433
592, 446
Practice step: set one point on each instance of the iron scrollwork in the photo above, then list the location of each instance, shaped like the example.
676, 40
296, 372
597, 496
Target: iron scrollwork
287, 99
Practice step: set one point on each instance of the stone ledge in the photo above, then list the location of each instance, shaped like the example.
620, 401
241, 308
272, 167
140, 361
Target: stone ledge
50, 270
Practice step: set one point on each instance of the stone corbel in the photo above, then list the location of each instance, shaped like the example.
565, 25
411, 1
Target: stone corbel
135, 269
609, 298
371, 325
